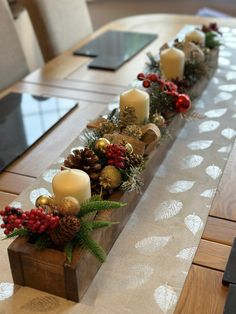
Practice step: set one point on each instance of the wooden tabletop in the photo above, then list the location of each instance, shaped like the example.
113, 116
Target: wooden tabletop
68, 76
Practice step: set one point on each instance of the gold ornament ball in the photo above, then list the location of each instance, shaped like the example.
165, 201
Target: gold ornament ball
69, 205
101, 144
159, 120
129, 148
44, 201
110, 177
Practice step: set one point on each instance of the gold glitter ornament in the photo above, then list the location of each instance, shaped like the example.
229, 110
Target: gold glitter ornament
69, 205
159, 120
44, 201
101, 144
110, 177
129, 148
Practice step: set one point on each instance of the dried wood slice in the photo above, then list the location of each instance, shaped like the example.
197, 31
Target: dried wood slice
95, 123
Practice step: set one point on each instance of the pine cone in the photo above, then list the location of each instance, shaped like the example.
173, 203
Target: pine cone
66, 230
134, 160
127, 117
133, 130
107, 127
86, 160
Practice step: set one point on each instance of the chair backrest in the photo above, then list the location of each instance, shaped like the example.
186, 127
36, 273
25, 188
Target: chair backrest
58, 24
13, 65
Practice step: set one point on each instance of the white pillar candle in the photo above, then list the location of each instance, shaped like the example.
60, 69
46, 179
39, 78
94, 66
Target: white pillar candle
72, 182
172, 63
137, 99
196, 36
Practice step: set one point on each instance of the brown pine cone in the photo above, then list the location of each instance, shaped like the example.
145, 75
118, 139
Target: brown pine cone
66, 230
86, 160
134, 131
134, 160
127, 117
107, 127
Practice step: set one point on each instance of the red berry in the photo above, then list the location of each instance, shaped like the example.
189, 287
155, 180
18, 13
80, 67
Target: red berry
146, 83
6, 231
141, 76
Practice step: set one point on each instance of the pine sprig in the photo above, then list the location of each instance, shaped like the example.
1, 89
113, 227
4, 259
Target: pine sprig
68, 249
86, 241
92, 225
94, 206
22, 232
42, 242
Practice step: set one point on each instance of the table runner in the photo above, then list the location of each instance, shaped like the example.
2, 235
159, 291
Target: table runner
148, 264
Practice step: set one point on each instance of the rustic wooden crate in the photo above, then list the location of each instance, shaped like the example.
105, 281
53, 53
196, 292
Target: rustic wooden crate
47, 269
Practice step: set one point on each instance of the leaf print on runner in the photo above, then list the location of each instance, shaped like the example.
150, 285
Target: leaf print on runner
213, 171
215, 113
208, 126
194, 223
49, 174
209, 193
228, 133
42, 304
191, 161
165, 297
187, 254
222, 96
200, 145
151, 244
168, 209
181, 186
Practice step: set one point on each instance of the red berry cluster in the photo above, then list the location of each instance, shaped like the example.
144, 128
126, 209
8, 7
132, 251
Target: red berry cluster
148, 78
115, 154
212, 27
35, 220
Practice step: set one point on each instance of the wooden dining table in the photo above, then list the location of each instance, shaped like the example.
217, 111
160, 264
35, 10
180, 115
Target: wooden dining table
68, 76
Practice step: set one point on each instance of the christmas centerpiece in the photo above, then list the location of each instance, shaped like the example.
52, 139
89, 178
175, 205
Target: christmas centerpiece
63, 225
120, 153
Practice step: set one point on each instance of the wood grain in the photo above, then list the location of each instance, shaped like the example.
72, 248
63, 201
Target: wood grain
47, 90
6, 198
224, 203
211, 254
219, 230
13, 183
203, 292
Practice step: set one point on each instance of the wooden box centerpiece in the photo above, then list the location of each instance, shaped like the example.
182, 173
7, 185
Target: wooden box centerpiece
49, 269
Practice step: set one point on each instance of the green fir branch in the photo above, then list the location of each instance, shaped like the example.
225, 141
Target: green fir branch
94, 206
86, 242
68, 249
43, 241
22, 232
92, 225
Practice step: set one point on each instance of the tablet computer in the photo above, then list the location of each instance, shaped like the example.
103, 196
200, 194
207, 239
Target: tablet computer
24, 119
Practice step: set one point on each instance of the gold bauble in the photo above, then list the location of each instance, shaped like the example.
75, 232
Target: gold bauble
69, 205
101, 144
159, 120
110, 177
129, 148
44, 201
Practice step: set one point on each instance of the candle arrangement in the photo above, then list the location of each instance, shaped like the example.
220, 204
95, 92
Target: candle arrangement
119, 155
63, 220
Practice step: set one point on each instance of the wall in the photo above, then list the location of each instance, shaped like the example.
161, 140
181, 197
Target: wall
103, 11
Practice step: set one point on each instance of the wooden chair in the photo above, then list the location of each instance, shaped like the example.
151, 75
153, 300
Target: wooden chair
58, 24
13, 65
